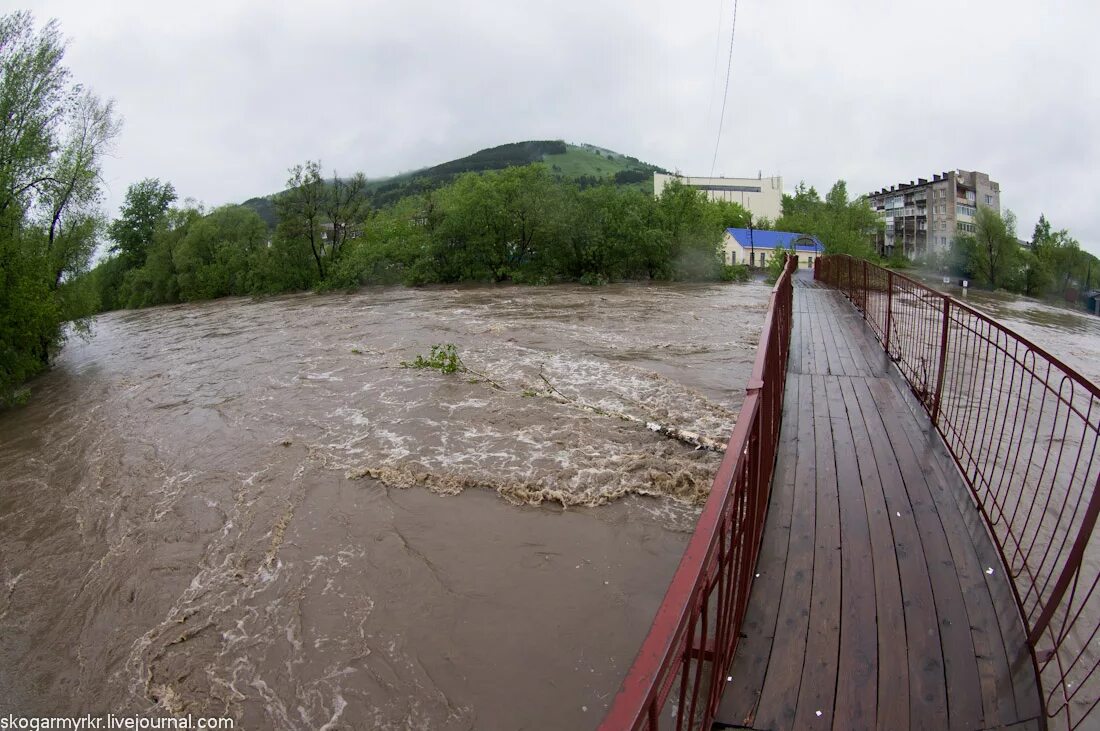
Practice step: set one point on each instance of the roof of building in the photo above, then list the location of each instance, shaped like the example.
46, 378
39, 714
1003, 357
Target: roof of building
764, 239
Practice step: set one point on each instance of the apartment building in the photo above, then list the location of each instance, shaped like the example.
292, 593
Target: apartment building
763, 197
924, 216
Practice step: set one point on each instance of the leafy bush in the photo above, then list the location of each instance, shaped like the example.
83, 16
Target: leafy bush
734, 273
774, 268
594, 279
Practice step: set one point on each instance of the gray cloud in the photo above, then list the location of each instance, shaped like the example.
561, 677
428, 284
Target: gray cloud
221, 97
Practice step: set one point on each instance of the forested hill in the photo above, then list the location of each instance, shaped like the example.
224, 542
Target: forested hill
588, 165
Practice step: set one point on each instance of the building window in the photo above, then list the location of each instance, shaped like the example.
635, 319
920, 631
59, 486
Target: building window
988, 199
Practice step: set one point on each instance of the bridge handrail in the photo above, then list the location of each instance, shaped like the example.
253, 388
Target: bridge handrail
1024, 430
697, 627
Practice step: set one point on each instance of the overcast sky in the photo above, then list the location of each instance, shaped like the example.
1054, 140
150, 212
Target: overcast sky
222, 97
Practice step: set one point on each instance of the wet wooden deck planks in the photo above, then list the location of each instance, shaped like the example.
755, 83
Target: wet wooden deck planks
874, 607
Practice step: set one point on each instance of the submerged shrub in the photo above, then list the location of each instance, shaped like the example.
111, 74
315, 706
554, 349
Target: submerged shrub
443, 358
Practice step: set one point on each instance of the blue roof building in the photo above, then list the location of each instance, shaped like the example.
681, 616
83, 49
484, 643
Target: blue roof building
755, 249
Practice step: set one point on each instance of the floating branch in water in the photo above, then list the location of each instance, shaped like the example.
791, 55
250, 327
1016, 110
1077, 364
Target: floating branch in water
445, 359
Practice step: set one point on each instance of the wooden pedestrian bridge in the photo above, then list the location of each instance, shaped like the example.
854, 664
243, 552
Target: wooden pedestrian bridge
900, 535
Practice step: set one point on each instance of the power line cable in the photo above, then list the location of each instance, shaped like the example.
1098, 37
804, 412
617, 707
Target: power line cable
717, 51
725, 94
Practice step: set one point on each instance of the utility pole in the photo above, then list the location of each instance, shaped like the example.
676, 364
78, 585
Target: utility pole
752, 246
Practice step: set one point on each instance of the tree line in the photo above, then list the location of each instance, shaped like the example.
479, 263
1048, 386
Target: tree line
1051, 264
519, 225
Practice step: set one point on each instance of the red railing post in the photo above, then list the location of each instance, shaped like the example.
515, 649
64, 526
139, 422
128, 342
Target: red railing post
943, 362
864, 296
889, 310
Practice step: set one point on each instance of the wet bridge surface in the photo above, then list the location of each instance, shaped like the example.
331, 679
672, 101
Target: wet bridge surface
880, 600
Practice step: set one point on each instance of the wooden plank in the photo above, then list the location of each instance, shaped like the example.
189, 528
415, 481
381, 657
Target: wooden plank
821, 358
835, 336
742, 694
819, 672
779, 693
855, 332
927, 685
893, 668
843, 322
1009, 688
826, 322
960, 664
857, 665
794, 358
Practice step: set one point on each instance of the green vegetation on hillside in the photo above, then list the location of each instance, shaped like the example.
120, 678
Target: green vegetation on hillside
583, 164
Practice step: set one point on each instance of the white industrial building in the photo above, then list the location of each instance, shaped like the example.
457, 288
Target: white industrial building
763, 197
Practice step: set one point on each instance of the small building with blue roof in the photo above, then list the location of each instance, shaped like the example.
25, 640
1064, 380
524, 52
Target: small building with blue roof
756, 247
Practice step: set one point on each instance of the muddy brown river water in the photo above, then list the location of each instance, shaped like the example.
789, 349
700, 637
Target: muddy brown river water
250, 509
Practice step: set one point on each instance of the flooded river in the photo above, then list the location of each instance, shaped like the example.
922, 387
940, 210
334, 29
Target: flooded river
251, 509
1071, 335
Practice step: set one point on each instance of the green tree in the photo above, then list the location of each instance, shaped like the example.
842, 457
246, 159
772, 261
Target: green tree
320, 217
1042, 232
220, 254
690, 234
842, 226
157, 281
776, 263
141, 214
300, 211
1034, 278
995, 247
393, 248
498, 225
613, 232
52, 139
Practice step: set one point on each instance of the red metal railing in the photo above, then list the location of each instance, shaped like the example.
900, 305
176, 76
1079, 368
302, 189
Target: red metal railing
677, 678
1024, 429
